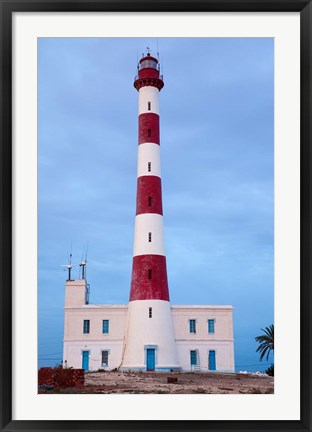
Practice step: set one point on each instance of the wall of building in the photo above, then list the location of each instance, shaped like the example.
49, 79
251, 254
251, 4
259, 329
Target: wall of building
76, 341
224, 355
75, 293
221, 340
73, 354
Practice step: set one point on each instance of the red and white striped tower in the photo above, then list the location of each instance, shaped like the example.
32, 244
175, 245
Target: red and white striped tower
150, 342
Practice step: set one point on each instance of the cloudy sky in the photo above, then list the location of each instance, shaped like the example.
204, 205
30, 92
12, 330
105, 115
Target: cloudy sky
217, 176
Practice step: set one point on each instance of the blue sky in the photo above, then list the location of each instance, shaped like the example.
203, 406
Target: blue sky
217, 157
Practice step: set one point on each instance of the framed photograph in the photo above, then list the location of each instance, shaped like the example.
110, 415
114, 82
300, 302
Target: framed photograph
235, 188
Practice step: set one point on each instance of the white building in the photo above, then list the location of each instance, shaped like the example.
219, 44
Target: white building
148, 333
95, 335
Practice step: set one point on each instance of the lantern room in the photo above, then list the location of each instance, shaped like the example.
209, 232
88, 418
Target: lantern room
148, 73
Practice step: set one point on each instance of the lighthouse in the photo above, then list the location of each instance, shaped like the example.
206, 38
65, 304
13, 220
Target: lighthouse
147, 333
149, 341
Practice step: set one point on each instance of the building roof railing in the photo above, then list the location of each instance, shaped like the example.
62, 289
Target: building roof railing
137, 77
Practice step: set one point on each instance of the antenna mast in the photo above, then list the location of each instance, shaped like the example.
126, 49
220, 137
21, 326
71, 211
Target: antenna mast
69, 267
158, 57
83, 265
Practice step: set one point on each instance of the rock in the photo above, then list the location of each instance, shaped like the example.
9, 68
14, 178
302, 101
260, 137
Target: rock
172, 380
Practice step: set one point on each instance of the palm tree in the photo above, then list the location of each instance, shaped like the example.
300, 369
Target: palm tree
266, 342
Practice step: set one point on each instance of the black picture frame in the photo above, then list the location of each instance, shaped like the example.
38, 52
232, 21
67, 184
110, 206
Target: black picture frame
8, 7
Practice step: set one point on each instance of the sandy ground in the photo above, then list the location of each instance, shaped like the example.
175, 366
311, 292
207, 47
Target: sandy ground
187, 383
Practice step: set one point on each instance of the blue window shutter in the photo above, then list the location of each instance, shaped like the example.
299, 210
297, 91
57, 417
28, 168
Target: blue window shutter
192, 326
211, 326
86, 326
105, 326
193, 357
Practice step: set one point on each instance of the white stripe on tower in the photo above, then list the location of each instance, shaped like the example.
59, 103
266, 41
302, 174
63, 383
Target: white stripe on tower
149, 100
148, 235
149, 160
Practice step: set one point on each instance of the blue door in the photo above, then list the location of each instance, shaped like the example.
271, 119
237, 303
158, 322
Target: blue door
212, 360
85, 360
150, 359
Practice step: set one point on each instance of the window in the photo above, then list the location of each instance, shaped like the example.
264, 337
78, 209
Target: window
86, 326
105, 358
150, 273
193, 357
211, 326
149, 133
149, 106
149, 166
149, 237
148, 64
105, 328
150, 312
149, 201
192, 326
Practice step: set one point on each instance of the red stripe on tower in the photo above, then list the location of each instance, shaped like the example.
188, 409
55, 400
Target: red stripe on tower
149, 278
149, 128
149, 195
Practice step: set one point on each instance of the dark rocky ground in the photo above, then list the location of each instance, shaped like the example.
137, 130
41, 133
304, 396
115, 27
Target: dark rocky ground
156, 383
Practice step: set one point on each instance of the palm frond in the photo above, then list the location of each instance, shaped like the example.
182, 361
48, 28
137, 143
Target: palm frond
266, 342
